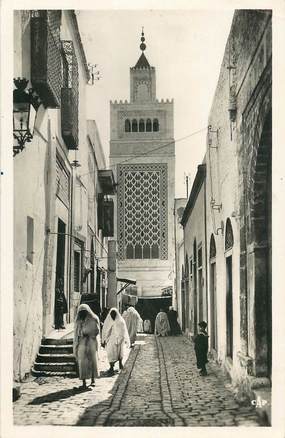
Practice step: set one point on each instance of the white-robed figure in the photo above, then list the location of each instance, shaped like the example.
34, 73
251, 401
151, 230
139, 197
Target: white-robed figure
162, 327
86, 343
115, 339
133, 322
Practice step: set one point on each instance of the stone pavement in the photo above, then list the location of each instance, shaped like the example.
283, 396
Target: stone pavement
159, 386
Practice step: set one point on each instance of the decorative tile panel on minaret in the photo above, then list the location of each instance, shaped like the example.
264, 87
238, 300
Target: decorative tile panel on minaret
142, 154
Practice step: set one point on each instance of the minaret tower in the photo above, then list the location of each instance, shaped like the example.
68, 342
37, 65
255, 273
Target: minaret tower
142, 153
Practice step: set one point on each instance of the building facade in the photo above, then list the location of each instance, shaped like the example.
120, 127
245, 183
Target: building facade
194, 300
237, 208
57, 182
142, 153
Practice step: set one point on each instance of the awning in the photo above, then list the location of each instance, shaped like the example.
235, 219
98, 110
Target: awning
154, 298
127, 282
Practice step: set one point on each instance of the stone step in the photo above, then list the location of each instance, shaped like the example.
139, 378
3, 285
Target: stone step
62, 341
46, 358
71, 374
55, 366
56, 349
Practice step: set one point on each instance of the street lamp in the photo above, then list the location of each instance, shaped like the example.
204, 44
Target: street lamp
24, 114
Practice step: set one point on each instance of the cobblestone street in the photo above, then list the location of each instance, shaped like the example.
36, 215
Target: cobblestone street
159, 386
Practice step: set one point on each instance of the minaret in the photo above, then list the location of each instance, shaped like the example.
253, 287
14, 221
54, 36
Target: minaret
142, 75
142, 153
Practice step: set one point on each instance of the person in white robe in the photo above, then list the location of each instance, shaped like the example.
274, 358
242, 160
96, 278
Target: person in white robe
86, 343
161, 327
133, 323
115, 339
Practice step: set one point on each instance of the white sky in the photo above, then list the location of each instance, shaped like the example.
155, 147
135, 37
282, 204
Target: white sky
185, 46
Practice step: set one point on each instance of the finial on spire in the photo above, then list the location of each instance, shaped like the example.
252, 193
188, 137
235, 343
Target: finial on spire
142, 46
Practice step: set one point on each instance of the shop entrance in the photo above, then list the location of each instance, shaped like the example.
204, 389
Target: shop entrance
148, 308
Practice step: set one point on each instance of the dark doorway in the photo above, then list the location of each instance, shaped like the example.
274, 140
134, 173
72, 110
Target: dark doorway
148, 308
195, 306
213, 303
60, 253
186, 287
183, 304
200, 284
229, 307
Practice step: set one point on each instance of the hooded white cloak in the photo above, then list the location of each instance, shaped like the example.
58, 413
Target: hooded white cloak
86, 343
162, 327
115, 335
133, 321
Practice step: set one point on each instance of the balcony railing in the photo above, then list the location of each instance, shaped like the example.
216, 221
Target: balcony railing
69, 118
45, 61
69, 96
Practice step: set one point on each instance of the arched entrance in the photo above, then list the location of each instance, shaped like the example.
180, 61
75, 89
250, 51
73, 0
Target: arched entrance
229, 243
259, 254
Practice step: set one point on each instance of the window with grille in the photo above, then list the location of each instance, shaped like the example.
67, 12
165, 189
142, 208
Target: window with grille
46, 56
229, 237
69, 95
142, 211
77, 270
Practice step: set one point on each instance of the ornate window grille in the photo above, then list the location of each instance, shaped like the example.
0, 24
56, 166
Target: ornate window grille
46, 56
229, 237
142, 211
212, 247
69, 96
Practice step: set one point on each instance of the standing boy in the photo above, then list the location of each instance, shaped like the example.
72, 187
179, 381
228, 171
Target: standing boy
201, 348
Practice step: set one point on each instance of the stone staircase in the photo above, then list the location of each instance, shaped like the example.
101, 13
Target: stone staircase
55, 358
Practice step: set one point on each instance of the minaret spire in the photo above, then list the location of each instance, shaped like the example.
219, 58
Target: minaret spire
142, 45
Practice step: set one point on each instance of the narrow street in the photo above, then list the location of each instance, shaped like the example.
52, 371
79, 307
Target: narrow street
159, 386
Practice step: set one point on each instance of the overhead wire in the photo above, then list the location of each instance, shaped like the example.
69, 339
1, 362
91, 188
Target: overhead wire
149, 152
